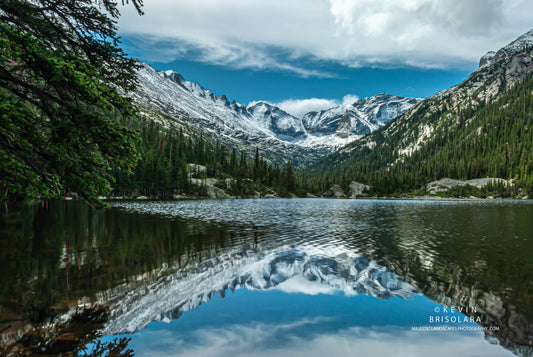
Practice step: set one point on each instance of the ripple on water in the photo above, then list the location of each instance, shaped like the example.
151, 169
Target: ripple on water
383, 227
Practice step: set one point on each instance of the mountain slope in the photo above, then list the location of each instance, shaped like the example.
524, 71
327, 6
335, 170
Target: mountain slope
481, 127
279, 135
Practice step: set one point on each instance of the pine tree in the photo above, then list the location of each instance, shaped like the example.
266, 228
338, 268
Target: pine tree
62, 115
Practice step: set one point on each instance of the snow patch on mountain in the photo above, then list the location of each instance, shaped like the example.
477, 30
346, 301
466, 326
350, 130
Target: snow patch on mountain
425, 134
351, 122
283, 125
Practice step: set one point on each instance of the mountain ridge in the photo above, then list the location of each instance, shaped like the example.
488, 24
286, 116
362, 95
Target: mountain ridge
278, 134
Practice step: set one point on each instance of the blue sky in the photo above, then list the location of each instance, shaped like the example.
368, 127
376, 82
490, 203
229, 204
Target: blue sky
245, 85
310, 54
298, 324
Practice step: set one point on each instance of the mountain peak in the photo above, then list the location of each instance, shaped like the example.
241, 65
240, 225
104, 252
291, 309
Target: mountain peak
487, 59
173, 76
359, 118
520, 44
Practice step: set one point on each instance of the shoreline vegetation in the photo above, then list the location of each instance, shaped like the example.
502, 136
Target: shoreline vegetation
211, 188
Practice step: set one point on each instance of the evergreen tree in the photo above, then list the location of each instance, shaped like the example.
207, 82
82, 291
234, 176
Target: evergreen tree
62, 115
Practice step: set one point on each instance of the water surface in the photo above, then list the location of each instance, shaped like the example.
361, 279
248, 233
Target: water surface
263, 277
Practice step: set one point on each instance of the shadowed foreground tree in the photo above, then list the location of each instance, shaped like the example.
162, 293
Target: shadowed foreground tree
62, 116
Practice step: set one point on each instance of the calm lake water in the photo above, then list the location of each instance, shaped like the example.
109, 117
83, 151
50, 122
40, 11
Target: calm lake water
290, 277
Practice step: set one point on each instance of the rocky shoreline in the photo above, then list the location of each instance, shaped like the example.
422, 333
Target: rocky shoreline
444, 188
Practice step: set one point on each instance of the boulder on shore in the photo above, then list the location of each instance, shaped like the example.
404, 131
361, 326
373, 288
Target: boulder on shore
335, 191
271, 195
216, 192
356, 189
445, 184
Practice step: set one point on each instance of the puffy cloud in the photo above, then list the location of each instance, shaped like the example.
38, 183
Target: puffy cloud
298, 107
349, 99
293, 36
260, 339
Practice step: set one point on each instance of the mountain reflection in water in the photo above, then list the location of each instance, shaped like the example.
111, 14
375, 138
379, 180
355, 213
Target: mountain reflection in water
307, 269
293, 270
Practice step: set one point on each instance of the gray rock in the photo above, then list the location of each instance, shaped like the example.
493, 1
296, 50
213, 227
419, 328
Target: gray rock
442, 185
356, 189
334, 192
480, 183
445, 184
229, 183
310, 195
192, 168
487, 59
215, 192
207, 181
271, 195
142, 198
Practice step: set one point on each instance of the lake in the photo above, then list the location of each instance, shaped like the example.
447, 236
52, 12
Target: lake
294, 277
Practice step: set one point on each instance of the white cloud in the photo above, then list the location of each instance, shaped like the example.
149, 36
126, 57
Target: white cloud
349, 99
289, 35
259, 339
299, 107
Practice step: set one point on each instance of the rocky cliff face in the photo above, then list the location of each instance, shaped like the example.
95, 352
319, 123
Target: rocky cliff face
499, 72
282, 125
359, 118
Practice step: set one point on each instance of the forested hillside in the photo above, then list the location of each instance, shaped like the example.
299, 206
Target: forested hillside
479, 128
494, 140
172, 163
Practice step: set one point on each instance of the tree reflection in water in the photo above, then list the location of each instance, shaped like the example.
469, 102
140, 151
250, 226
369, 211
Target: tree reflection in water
61, 257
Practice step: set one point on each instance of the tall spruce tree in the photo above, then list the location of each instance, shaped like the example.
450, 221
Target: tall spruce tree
62, 116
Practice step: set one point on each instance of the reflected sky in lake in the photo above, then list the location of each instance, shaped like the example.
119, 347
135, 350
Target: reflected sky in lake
266, 323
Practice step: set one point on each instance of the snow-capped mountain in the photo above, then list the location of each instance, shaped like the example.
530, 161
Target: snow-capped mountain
439, 120
283, 125
305, 269
359, 118
276, 133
